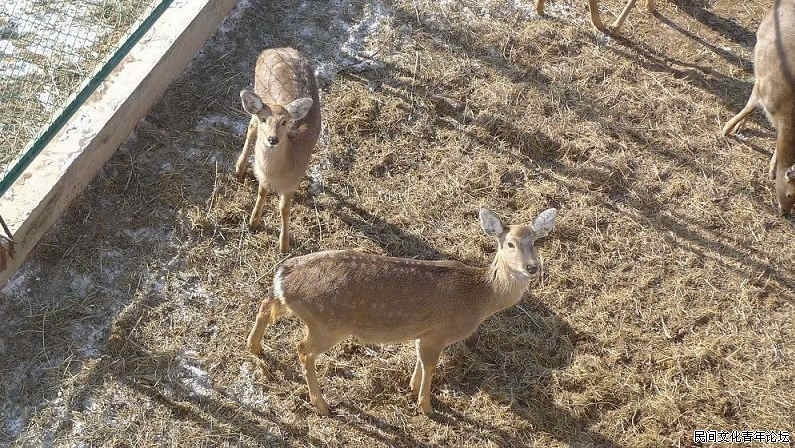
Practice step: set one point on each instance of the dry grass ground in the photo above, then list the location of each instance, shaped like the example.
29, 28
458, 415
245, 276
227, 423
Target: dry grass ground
667, 299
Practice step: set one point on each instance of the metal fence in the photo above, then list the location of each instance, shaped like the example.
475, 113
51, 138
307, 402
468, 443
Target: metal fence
50, 51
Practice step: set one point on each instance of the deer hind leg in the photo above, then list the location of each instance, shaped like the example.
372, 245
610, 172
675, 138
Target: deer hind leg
314, 344
621, 17
416, 377
736, 122
429, 352
540, 7
651, 6
596, 20
248, 146
285, 200
256, 214
784, 168
269, 311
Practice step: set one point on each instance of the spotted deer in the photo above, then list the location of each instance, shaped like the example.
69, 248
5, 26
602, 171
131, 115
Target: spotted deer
378, 299
283, 130
774, 91
596, 20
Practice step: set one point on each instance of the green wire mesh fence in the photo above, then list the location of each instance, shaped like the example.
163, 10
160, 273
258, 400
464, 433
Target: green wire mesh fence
48, 49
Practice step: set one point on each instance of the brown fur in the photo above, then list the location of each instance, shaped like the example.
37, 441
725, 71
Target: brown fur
282, 76
379, 299
774, 90
596, 20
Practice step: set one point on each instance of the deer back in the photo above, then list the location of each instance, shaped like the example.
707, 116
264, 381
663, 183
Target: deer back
383, 299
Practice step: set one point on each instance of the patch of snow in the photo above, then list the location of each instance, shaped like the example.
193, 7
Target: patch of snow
38, 23
322, 36
316, 181
525, 7
602, 38
194, 290
234, 16
113, 265
359, 32
77, 426
326, 70
89, 337
565, 10
15, 425
18, 284
740, 136
46, 99
89, 404
18, 69
352, 55
194, 153
146, 234
7, 48
190, 375
61, 34
13, 418
81, 284
244, 390
222, 121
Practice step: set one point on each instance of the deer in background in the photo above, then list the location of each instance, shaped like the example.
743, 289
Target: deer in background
596, 20
379, 299
774, 90
283, 130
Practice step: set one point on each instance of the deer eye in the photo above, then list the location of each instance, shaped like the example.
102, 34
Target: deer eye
511, 245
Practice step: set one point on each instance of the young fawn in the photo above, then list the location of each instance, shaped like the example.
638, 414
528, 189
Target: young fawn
385, 300
596, 20
284, 127
774, 90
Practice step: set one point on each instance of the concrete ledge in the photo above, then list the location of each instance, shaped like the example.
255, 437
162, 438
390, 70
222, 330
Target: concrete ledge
86, 142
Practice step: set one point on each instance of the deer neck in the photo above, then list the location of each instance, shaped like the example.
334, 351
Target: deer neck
785, 144
279, 157
507, 286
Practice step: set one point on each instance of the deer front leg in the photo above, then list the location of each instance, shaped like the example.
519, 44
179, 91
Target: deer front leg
540, 7
248, 146
596, 20
256, 214
651, 6
267, 315
771, 169
429, 355
285, 200
621, 17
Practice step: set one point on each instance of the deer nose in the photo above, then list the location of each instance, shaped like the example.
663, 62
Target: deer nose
273, 140
531, 268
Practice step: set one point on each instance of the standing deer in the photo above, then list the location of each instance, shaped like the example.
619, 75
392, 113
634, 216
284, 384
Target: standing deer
774, 90
596, 20
284, 127
384, 300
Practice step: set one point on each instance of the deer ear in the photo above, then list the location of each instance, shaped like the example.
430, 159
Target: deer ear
299, 108
789, 175
490, 223
251, 102
544, 222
